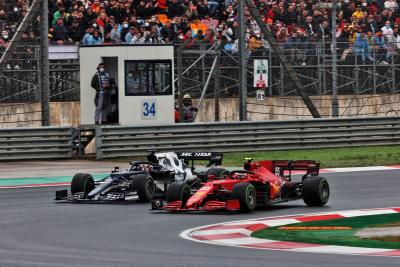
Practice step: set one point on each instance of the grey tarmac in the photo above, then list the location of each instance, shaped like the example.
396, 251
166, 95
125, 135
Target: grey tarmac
36, 231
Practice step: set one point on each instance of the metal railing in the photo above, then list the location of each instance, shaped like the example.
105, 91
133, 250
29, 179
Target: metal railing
247, 136
36, 143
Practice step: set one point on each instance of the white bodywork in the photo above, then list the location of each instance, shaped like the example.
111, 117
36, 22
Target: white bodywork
171, 161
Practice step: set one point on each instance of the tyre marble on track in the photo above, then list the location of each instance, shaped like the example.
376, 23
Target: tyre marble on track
35, 231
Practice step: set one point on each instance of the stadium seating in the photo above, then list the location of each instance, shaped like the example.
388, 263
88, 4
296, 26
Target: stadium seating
363, 25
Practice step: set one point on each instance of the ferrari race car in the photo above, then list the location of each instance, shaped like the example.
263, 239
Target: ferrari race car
144, 180
258, 184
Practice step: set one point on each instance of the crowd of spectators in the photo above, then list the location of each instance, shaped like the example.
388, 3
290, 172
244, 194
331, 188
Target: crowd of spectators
364, 27
11, 14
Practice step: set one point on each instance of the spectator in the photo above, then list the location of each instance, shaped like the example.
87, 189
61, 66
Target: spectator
282, 35
213, 5
4, 40
102, 20
154, 36
115, 34
138, 39
60, 33
189, 111
88, 35
361, 47
175, 9
129, 36
95, 39
378, 42
59, 14
391, 4
387, 30
358, 14
396, 37
191, 12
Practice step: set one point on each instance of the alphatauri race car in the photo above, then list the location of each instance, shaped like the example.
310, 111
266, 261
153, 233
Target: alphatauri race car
143, 180
258, 184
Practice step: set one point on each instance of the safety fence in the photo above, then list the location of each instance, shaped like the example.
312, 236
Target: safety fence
365, 72
36, 143
114, 142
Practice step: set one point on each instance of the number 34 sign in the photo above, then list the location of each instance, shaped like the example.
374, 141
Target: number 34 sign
149, 109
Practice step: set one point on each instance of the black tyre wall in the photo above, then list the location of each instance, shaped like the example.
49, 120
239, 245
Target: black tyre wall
145, 187
217, 172
82, 182
315, 191
241, 192
178, 191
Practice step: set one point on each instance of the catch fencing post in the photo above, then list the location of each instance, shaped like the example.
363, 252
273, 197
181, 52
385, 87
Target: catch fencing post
45, 65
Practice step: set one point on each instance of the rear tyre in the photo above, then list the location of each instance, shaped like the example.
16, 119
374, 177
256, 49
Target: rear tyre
178, 191
315, 191
82, 182
218, 173
145, 187
246, 194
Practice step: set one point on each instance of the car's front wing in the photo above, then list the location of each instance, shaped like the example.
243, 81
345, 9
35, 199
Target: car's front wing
231, 205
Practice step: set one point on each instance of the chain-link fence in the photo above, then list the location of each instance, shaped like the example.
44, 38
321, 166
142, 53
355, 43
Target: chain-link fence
21, 69
368, 81
20, 23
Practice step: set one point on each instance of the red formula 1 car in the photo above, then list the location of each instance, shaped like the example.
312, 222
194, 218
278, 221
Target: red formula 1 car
258, 184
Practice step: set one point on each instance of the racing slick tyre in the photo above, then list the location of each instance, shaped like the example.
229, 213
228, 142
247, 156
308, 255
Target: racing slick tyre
178, 191
219, 173
145, 187
246, 194
82, 182
315, 191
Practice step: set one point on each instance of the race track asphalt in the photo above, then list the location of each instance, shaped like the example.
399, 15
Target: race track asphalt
36, 231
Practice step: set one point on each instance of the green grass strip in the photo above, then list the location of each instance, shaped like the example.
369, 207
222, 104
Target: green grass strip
335, 237
329, 157
42, 180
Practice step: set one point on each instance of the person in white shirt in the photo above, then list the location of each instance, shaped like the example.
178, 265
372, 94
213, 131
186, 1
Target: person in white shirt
391, 4
387, 31
396, 37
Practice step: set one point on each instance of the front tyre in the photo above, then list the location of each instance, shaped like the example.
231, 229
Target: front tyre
246, 194
82, 182
178, 191
145, 186
315, 191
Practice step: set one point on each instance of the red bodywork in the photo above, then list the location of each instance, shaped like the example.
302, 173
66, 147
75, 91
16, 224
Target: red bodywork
268, 174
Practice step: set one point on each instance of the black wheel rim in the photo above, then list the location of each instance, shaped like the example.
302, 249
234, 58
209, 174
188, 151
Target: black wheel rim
251, 197
324, 191
150, 186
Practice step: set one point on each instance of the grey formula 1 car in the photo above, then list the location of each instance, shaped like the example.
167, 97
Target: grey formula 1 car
144, 180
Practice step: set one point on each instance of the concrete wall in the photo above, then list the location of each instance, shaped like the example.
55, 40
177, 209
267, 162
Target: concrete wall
67, 113
291, 107
28, 115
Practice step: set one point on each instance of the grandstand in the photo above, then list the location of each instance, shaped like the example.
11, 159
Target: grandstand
367, 36
162, 21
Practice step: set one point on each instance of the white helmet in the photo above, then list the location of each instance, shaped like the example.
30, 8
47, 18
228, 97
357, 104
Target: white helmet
187, 96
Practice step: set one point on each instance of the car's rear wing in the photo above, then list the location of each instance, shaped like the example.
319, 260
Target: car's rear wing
310, 166
214, 158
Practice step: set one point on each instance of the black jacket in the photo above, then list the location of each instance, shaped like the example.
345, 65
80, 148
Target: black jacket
96, 81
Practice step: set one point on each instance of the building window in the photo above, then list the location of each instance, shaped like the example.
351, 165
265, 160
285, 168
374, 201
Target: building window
148, 77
